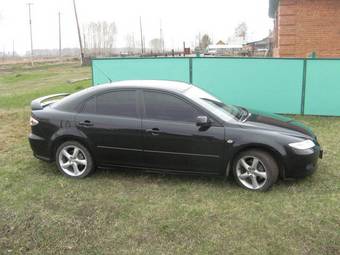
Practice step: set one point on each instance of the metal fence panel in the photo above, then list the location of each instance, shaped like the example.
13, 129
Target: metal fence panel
295, 86
140, 68
273, 85
323, 87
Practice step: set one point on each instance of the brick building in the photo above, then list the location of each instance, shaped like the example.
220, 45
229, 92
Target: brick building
305, 26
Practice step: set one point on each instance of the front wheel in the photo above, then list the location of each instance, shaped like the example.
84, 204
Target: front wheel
255, 170
74, 160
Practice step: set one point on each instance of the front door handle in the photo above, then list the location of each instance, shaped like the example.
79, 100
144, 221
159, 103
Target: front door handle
153, 131
85, 123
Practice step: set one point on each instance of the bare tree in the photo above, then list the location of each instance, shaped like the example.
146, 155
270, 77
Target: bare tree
101, 37
156, 44
130, 42
205, 41
241, 30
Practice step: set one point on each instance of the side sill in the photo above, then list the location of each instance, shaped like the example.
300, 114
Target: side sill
156, 170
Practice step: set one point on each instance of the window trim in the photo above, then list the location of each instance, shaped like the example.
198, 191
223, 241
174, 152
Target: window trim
185, 100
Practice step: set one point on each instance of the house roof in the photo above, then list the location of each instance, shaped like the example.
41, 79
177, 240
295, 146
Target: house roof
260, 42
226, 46
273, 4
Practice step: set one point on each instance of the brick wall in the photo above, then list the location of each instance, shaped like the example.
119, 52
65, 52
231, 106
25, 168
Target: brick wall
304, 26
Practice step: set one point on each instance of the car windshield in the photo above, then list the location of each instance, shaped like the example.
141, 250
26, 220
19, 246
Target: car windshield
224, 111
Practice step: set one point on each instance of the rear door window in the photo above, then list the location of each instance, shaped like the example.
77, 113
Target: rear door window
90, 106
115, 103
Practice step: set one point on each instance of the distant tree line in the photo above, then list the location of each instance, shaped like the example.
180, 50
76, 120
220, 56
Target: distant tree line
100, 38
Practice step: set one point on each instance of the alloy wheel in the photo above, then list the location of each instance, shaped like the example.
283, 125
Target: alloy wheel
72, 160
251, 172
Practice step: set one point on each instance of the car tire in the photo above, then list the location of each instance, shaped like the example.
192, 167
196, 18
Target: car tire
255, 170
74, 160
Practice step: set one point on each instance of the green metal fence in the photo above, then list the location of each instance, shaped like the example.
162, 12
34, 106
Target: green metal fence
256, 83
140, 68
294, 86
322, 94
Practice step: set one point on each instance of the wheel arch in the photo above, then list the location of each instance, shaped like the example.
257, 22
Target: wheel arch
278, 157
67, 137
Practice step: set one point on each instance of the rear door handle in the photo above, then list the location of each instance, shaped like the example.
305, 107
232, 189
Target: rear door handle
85, 123
153, 131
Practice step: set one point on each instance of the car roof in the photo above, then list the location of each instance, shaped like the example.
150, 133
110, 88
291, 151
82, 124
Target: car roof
176, 86
73, 100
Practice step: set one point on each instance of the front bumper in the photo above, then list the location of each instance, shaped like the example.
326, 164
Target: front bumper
302, 163
39, 147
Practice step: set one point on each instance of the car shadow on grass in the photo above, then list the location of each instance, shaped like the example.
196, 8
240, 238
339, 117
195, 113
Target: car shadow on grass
145, 176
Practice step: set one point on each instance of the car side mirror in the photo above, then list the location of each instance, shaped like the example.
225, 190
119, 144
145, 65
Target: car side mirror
202, 121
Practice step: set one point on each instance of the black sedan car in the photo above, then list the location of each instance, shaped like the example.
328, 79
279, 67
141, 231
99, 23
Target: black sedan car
167, 126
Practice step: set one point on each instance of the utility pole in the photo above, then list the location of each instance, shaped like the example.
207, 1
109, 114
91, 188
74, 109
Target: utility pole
59, 35
30, 22
79, 35
3, 53
161, 39
184, 49
13, 51
84, 40
133, 42
141, 34
199, 40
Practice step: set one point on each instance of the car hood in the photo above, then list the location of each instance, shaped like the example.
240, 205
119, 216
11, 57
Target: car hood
277, 123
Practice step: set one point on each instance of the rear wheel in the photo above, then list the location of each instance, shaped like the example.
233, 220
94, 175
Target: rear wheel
255, 170
74, 160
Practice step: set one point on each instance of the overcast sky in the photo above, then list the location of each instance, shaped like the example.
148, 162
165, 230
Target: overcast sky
181, 20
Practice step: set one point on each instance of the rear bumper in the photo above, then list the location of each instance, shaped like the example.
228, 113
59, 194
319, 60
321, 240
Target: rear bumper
300, 164
40, 148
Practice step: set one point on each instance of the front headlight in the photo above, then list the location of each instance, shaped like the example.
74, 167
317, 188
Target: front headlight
304, 145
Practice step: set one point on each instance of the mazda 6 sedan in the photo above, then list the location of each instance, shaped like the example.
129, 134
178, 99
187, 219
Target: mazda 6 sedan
172, 127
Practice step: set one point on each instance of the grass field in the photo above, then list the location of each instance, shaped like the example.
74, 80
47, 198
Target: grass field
127, 212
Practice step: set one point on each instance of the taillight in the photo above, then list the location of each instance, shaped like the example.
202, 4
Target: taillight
33, 121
